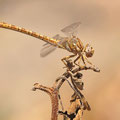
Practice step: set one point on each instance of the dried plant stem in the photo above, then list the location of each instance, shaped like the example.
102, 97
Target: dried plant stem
78, 102
85, 68
53, 93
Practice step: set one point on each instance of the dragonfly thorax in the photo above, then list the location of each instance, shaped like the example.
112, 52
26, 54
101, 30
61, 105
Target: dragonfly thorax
73, 45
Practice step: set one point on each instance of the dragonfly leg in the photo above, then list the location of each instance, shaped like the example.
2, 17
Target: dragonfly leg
83, 59
76, 60
85, 47
87, 60
66, 58
80, 58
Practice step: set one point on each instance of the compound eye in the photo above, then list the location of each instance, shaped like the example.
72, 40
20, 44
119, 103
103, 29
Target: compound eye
88, 49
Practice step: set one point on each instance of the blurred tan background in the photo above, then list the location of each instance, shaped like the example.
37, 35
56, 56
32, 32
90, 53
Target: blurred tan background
21, 65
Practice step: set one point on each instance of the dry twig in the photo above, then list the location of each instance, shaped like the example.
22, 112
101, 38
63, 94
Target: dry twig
53, 93
78, 102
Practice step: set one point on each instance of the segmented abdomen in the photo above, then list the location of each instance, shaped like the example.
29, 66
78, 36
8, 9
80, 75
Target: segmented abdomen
31, 33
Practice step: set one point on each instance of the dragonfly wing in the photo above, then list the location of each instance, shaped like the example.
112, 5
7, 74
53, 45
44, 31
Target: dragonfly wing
71, 30
49, 48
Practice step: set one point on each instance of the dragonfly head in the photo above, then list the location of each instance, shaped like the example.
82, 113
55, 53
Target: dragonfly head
89, 51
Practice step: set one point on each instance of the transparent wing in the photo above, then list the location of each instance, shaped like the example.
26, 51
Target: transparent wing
48, 48
71, 30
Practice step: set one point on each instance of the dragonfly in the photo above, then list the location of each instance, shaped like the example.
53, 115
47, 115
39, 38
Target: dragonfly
71, 43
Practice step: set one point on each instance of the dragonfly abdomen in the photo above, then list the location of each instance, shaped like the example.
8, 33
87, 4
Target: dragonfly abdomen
29, 32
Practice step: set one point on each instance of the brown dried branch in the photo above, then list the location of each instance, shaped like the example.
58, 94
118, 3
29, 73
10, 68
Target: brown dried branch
78, 93
53, 93
78, 102
75, 86
75, 110
85, 68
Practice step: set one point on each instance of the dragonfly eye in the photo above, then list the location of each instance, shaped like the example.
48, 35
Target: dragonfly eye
89, 51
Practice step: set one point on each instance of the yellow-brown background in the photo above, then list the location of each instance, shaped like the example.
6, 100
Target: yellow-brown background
21, 65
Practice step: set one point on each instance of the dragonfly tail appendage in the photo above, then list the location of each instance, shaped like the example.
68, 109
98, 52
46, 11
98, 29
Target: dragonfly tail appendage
28, 32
